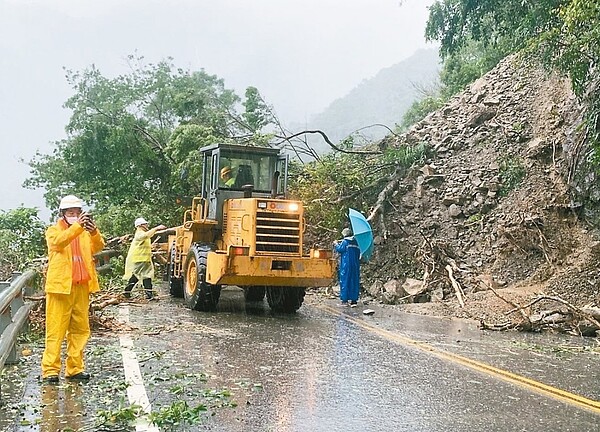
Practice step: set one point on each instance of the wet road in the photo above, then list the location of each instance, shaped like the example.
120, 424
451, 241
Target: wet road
332, 369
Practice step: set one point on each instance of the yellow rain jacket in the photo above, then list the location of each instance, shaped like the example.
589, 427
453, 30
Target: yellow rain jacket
67, 305
139, 256
60, 259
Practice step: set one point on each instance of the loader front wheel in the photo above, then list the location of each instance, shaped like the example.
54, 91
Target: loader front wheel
175, 283
285, 299
198, 294
254, 293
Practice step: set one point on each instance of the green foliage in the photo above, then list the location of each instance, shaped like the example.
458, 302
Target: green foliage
461, 67
122, 416
338, 181
475, 36
419, 110
406, 156
573, 44
323, 183
178, 413
512, 172
133, 140
472, 60
21, 239
258, 114
475, 218
506, 25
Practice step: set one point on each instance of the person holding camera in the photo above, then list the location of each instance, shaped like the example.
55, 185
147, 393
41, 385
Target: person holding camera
138, 264
70, 278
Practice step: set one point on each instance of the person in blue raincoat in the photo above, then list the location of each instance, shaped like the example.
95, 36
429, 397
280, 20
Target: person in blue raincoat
349, 267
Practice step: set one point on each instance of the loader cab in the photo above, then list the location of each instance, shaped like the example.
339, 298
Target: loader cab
234, 171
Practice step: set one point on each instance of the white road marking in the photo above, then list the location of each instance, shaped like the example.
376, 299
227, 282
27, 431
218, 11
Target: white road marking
136, 392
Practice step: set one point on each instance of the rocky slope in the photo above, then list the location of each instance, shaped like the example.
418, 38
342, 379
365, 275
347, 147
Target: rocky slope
496, 204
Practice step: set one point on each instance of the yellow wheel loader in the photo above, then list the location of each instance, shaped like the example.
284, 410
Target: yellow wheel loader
244, 231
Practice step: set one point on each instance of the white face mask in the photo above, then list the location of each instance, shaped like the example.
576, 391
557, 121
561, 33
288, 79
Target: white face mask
71, 219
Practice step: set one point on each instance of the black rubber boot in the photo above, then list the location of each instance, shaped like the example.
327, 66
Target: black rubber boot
130, 284
148, 288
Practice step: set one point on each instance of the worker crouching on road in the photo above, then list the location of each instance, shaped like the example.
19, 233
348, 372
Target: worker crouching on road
138, 264
349, 268
71, 277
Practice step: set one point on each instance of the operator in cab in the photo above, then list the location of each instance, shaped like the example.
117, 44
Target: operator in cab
227, 177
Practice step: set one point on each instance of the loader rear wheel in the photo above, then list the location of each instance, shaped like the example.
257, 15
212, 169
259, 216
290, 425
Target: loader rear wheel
285, 299
175, 283
198, 294
254, 293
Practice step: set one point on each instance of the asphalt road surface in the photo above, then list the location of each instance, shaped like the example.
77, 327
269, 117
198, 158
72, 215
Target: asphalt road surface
325, 368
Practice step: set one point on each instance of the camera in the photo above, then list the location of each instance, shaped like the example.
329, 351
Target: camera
88, 222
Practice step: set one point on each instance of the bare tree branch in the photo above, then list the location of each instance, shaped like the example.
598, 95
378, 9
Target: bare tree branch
328, 141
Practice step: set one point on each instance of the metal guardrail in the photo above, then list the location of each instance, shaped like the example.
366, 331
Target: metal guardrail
14, 314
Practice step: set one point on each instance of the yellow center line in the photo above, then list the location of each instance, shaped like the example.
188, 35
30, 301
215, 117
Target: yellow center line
510, 377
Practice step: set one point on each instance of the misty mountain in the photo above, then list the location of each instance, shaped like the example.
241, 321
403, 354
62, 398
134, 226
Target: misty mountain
382, 99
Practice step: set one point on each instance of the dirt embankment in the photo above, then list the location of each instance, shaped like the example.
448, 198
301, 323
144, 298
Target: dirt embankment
497, 204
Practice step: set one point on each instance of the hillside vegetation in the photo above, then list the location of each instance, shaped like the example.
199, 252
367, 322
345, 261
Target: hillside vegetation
503, 192
494, 205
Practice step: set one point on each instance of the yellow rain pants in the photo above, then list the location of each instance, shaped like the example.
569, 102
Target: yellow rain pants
70, 317
67, 303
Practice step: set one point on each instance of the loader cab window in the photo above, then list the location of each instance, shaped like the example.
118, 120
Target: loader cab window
238, 170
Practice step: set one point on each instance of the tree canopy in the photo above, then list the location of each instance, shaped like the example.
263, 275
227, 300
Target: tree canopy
132, 140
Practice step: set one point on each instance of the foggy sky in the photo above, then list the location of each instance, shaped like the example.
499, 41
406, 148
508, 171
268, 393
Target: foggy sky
300, 54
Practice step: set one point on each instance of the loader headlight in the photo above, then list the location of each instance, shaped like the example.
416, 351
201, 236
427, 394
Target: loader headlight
294, 207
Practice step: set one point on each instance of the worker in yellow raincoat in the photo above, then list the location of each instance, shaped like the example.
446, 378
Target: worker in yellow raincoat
71, 277
138, 264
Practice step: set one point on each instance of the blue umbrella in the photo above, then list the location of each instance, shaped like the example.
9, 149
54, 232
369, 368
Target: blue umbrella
362, 233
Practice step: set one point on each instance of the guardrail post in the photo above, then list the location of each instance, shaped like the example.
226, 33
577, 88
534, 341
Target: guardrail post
5, 321
15, 304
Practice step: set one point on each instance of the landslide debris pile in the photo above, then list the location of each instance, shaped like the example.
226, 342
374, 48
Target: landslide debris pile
493, 208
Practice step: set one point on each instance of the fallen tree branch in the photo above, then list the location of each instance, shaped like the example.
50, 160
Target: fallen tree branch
457, 288
105, 303
578, 311
385, 193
